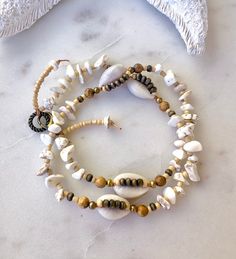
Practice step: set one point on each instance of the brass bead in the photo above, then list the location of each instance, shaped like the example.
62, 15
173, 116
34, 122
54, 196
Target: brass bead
152, 184
142, 210
83, 202
164, 106
89, 92
92, 205
100, 182
160, 180
133, 208
110, 182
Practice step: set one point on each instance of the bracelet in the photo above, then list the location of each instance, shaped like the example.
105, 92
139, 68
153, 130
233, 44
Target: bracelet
185, 144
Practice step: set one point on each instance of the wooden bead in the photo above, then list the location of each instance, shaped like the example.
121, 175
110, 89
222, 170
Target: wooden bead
160, 180
83, 202
164, 106
138, 68
100, 182
92, 205
89, 92
142, 210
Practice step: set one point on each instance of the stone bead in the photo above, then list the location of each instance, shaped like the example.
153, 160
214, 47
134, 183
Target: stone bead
89, 92
169, 172
160, 180
100, 182
138, 68
142, 210
164, 106
149, 68
97, 90
153, 206
83, 202
70, 196
80, 99
89, 177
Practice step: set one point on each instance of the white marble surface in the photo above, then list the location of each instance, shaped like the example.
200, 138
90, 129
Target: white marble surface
202, 224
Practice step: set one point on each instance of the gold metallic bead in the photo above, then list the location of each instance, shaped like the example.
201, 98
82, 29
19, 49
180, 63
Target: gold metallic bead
100, 182
110, 182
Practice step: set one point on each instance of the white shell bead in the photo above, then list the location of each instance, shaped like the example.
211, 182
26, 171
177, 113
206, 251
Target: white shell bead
179, 143
78, 69
56, 117
170, 78
101, 62
111, 74
64, 82
130, 192
57, 89
192, 171
72, 166
78, 175
107, 121
59, 195
61, 142
88, 67
71, 104
180, 87
174, 120
158, 68
193, 146
163, 202
193, 158
46, 154
53, 180
175, 165
186, 107
46, 139
186, 130
179, 190
70, 72
179, 177
49, 102
170, 195
179, 153
112, 213
138, 89
68, 113
189, 116
66, 153
185, 95
54, 128
43, 170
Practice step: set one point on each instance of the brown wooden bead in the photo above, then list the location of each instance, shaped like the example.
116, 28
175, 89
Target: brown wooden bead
100, 182
160, 180
142, 210
164, 106
92, 205
89, 92
83, 202
138, 68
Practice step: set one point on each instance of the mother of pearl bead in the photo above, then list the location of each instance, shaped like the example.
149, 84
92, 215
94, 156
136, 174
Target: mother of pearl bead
130, 192
112, 213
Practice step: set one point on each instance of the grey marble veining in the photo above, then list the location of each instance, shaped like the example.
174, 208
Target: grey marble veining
202, 224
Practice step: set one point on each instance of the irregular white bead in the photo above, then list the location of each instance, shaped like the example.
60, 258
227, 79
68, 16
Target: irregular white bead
78, 175
46, 139
111, 74
185, 95
179, 190
66, 153
130, 192
138, 89
189, 116
79, 71
175, 165
170, 78
186, 130
170, 195
58, 90
54, 128
59, 195
64, 82
193, 159
186, 107
192, 171
193, 146
71, 104
68, 113
158, 68
107, 121
56, 117
72, 166
101, 62
48, 103
113, 213
179, 153
179, 177
180, 87
179, 143
163, 202
88, 67
43, 170
53, 180
46, 154
70, 71
174, 120
61, 142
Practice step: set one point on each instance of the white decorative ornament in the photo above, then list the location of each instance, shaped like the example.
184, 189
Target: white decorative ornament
71, 104
46, 154
61, 142
179, 143
190, 19
56, 117
179, 190
138, 89
179, 153
53, 180
179, 177
70, 71
80, 73
68, 113
46, 139
71, 166
170, 195
113, 213
191, 169
54, 128
169, 78
174, 120
78, 175
43, 170
64, 82
66, 153
101, 62
130, 192
187, 107
186, 130
185, 95
163, 202
111, 74
59, 195
193, 146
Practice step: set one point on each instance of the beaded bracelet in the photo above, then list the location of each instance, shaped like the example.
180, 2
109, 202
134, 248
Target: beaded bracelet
186, 131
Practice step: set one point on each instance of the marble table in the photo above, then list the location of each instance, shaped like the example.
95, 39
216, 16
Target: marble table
202, 224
